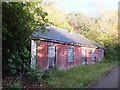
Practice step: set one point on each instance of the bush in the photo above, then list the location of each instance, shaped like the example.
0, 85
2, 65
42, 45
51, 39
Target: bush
16, 65
15, 86
35, 75
111, 52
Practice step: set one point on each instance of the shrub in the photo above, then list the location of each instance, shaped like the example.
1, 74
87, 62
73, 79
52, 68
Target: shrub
15, 86
34, 75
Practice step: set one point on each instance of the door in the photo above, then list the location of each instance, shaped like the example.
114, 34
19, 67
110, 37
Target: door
100, 55
51, 56
84, 56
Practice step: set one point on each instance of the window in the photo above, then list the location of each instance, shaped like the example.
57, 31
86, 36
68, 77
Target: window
83, 53
93, 54
51, 51
70, 55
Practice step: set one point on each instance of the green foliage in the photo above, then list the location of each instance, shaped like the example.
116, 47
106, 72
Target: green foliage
34, 75
111, 52
77, 77
57, 17
14, 86
102, 29
104, 23
18, 23
20, 19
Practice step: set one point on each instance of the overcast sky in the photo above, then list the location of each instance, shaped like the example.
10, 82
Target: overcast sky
89, 7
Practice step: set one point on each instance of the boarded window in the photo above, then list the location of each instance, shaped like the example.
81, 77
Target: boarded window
93, 54
51, 52
70, 55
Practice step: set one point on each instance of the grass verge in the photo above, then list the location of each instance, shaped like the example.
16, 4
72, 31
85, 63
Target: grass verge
78, 77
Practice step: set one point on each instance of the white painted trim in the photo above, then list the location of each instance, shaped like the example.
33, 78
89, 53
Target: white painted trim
33, 54
84, 47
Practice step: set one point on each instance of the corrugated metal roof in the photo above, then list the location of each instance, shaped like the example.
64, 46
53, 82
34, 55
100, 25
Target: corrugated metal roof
59, 34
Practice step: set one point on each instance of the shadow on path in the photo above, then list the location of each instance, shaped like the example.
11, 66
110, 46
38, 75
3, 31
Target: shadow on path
109, 80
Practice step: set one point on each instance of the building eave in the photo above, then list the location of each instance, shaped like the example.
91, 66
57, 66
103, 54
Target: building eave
61, 42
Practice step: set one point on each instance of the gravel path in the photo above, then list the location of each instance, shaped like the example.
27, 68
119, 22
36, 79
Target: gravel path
109, 80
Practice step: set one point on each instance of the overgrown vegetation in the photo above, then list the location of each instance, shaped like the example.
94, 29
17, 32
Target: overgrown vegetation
31, 79
15, 86
19, 20
34, 75
77, 77
102, 29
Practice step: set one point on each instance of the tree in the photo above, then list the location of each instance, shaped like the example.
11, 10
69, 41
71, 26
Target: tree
101, 29
19, 20
56, 17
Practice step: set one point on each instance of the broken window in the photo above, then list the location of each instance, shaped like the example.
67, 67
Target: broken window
70, 55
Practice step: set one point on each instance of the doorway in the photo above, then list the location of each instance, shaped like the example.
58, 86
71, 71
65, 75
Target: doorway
84, 56
51, 56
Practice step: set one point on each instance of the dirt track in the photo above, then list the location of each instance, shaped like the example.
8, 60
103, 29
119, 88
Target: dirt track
108, 80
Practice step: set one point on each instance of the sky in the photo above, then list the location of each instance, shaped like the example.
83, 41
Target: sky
89, 7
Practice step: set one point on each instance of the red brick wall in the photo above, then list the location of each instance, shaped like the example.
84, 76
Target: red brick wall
61, 56
77, 55
88, 51
42, 57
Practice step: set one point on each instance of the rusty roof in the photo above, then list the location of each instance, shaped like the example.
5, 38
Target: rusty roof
63, 35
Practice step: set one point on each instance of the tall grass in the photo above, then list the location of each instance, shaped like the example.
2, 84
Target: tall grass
78, 77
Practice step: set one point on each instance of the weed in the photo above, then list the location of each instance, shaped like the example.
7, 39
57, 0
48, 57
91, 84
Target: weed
14, 86
77, 77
